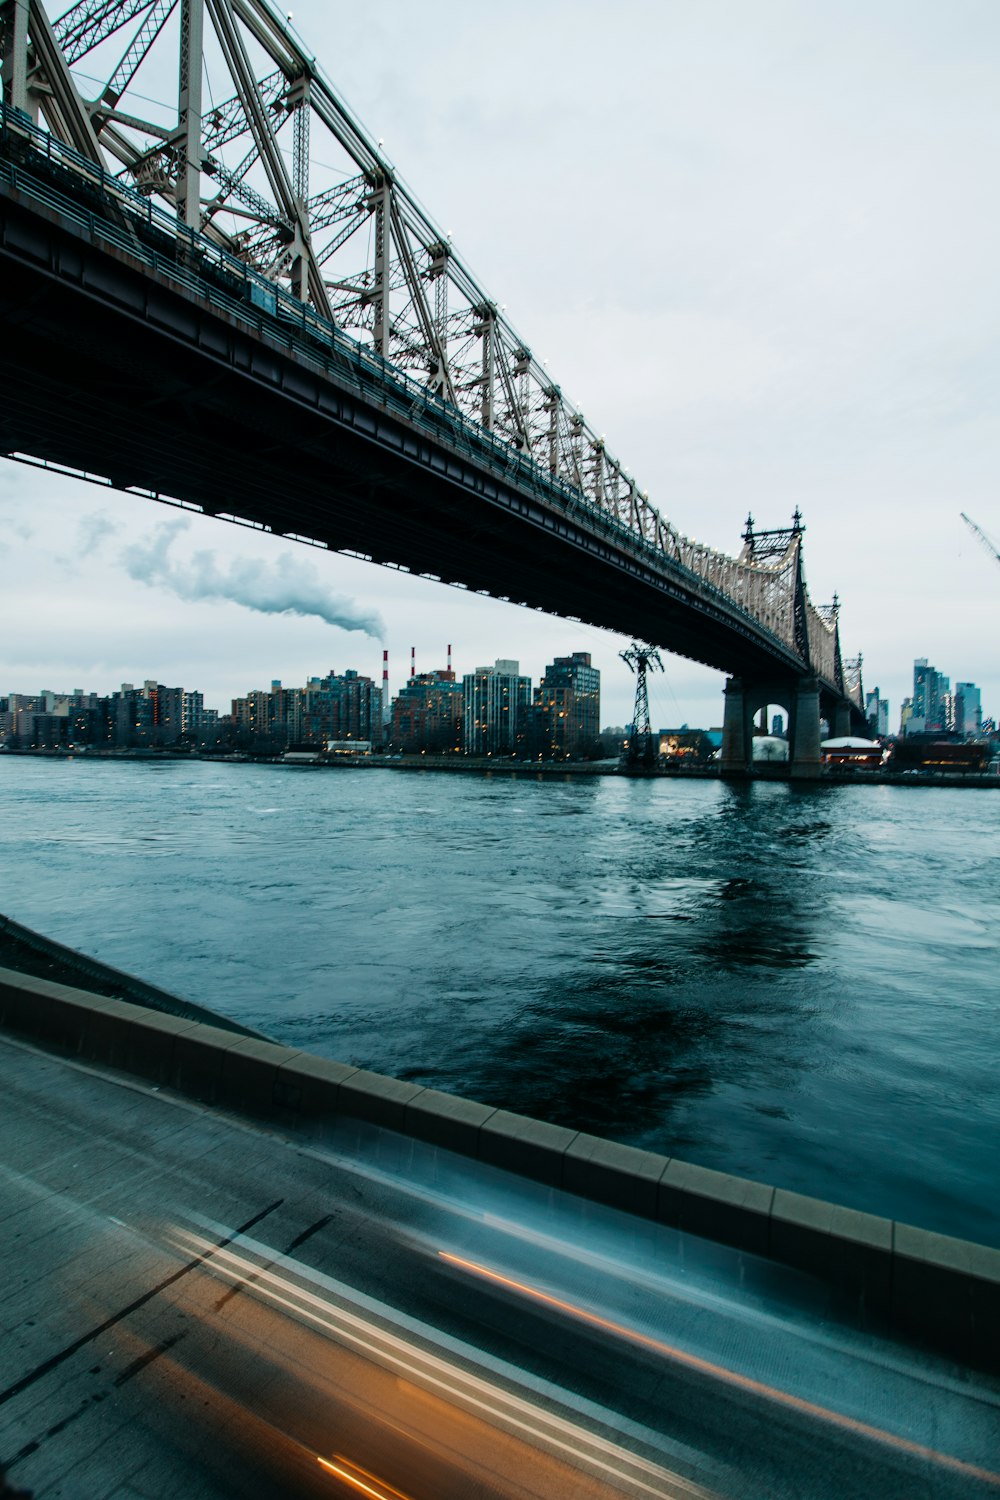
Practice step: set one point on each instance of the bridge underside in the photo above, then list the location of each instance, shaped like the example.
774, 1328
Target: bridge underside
112, 368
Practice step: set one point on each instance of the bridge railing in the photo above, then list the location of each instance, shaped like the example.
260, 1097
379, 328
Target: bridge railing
133, 224
822, 643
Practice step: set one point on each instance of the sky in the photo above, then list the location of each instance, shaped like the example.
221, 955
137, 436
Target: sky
757, 245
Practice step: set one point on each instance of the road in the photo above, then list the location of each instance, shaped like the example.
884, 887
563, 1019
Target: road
192, 1305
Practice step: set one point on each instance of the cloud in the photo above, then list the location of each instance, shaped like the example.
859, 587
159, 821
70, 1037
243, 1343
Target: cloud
93, 531
287, 586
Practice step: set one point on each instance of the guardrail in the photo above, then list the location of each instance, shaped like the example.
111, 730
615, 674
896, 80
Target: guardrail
940, 1291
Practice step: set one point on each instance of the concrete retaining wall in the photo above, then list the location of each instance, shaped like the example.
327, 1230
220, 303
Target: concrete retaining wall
941, 1291
27, 949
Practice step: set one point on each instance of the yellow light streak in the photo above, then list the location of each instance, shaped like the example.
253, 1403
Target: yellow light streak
490, 1402
385, 1490
732, 1377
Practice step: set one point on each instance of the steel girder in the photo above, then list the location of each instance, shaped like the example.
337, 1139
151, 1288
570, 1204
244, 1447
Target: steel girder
362, 251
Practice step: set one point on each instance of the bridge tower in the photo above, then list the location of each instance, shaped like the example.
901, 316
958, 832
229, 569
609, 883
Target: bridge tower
641, 659
781, 551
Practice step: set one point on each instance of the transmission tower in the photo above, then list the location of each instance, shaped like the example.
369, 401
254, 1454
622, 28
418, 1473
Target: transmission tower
641, 659
977, 531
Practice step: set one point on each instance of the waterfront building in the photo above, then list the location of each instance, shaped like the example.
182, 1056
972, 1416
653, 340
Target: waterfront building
129, 718
346, 707
905, 715
150, 715
428, 714
338, 707
877, 713
930, 692
44, 731
566, 713
133, 712
192, 713
169, 715
692, 747
968, 710
496, 704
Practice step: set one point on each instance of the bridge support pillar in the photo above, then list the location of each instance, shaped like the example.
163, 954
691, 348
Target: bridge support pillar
737, 739
842, 720
805, 756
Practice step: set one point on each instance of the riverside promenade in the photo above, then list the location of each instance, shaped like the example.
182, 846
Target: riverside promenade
222, 1257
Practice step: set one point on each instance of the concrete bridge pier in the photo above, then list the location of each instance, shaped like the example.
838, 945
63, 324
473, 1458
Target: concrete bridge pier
804, 753
842, 719
744, 699
737, 732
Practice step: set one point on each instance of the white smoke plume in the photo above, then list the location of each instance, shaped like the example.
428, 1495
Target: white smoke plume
287, 586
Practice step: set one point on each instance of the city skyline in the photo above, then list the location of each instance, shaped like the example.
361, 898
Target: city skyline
832, 347
931, 708
492, 710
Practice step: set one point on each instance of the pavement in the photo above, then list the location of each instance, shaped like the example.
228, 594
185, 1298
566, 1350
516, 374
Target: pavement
193, 1305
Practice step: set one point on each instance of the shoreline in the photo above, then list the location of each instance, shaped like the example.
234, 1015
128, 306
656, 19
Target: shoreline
471, 765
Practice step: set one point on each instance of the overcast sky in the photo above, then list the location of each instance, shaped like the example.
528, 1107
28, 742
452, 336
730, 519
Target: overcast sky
757, 244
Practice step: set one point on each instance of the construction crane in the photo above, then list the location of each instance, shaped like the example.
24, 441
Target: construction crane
978, 531
641, 659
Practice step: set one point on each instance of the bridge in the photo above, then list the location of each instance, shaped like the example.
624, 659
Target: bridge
199, 321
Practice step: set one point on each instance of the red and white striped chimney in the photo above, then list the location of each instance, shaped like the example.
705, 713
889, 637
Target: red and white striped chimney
385, 687
413, 661
449, 656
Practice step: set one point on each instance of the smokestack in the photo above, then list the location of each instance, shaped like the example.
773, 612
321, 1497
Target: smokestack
385, 688
413, 661
449, 656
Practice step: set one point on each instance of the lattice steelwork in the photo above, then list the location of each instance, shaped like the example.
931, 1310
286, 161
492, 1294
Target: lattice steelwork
233, 150
641, 660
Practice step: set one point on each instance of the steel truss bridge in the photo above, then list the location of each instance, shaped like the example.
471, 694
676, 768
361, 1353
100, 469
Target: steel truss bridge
190, 315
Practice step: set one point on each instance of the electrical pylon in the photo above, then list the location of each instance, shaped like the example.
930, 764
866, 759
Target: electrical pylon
641, 659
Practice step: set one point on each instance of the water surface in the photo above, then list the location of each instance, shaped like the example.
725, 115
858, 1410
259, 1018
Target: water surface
797, 984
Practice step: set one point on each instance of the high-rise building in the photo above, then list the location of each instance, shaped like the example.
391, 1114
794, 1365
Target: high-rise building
169, 713
968, 709
566, 716
930, 688
133, 716
497, 700
192, 712
428, 714
877, 713
359, 707
345, 707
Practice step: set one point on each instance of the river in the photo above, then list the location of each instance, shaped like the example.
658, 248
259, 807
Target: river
796, 984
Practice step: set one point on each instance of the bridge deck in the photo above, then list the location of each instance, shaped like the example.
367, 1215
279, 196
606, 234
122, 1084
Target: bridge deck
155, 364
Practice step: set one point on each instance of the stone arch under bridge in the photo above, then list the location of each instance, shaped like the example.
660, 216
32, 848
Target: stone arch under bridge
806, 700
